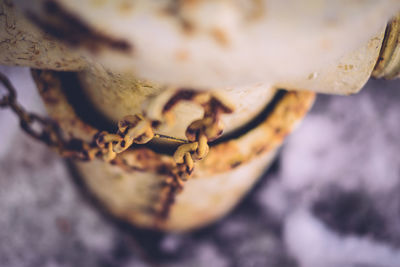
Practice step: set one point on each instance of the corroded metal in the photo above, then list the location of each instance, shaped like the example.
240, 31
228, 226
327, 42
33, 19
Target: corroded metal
133, 129
23, 44
125, 68
105, 145
39, 128
388, 64
213, 44
140, 188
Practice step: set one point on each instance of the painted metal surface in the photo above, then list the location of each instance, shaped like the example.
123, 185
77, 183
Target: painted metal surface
144, 196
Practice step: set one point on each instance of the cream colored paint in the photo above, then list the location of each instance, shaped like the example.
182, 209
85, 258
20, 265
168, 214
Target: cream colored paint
228, 45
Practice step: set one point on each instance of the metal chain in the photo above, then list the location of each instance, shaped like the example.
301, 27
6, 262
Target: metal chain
202, 131
39, 128
132, 129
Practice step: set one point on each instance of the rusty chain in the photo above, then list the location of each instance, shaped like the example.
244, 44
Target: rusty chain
104, 145
201, 131
131, 129
39, 128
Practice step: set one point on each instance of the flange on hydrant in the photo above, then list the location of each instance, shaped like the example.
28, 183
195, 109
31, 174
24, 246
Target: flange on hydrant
171, 110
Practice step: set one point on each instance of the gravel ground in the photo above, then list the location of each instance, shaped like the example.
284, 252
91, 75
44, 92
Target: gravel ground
330, 199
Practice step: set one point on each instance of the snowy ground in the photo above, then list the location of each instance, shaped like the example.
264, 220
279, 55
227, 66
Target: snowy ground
331, 199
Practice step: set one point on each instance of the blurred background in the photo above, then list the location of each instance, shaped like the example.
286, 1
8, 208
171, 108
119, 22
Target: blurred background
331, 198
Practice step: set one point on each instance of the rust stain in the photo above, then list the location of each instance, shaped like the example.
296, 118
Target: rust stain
220, 36
223, 157
67, 27
260, 149
172, 186
220, 158
217, 106
175, 9
181, 95
235, 164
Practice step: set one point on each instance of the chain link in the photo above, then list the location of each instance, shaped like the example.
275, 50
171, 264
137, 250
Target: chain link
132, 129
39, 128
202, 131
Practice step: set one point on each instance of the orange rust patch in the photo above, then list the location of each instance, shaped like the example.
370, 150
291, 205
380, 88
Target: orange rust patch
220, 36
167, 200
144, 159
125, 8
223, 157
187, 26
260, 149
